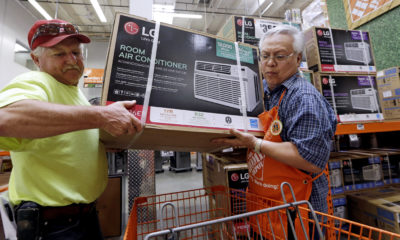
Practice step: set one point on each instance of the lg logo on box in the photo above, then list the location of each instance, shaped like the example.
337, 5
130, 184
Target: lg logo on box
322, 32
131, 28
247, 24
242, 176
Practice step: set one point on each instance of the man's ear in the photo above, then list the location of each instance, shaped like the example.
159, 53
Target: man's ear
299, 57
35, 60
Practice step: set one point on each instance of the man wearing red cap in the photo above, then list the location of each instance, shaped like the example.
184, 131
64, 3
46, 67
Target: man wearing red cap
52, 132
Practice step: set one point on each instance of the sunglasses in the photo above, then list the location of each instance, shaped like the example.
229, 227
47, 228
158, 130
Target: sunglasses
53, 29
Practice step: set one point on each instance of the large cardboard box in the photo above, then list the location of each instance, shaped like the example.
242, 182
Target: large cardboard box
196, 93
335, 174
353, 97
337, 50
229, 170
378, 208
389, 92
254, 29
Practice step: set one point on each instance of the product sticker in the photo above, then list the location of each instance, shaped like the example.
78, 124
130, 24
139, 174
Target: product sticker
227, 50
387, 93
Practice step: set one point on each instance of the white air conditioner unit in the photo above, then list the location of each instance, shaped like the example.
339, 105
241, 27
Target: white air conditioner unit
372, 172
219, 83
364, 98
336, 178
357, 51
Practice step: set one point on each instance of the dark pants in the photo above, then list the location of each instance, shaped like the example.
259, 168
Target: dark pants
36, 222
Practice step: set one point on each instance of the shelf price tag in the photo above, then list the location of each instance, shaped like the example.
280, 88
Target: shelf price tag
360, 126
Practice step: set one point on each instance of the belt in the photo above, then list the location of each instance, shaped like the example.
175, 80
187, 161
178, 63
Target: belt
51, 213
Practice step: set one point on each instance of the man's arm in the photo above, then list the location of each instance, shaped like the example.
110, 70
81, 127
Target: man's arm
36, 119
285, 152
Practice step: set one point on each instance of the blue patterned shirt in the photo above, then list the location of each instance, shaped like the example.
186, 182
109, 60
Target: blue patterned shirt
309, 122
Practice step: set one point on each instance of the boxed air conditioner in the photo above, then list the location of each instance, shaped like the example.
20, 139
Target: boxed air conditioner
389, 92
335, 175
254, 29
337, 50
229, 170
197, 90
379, 208
361, 171
353, 97
340, 210
390, 159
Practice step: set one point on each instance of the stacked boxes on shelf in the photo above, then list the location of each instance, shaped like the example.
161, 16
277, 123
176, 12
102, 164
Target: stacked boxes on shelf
344, 72
389, 92
197, 93
377, 207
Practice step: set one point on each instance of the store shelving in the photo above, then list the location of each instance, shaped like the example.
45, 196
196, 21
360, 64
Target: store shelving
368, 127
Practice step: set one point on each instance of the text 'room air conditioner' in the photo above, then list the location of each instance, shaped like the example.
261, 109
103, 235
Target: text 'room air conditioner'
219, 83
364, 98
357, 51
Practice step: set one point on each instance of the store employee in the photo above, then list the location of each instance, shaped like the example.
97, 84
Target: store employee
299, 125
52, 132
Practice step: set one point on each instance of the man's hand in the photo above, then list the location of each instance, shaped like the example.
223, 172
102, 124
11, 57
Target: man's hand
240, 139
119, 121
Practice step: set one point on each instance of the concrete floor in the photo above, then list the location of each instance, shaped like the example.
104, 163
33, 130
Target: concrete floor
171, 181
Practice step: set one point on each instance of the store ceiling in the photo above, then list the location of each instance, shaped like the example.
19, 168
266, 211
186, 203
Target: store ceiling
214, 12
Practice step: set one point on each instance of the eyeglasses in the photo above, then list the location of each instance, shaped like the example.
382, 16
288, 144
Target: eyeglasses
278, 58
53, 29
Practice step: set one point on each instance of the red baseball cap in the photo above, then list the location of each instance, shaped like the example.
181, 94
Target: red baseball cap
51, 40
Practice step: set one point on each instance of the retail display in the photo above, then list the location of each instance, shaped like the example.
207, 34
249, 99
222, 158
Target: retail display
338, 50
353, 97
198, 92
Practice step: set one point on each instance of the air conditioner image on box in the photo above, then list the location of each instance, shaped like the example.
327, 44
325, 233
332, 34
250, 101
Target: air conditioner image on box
357, 51
372, 172
336, 178
364, 98
219, 83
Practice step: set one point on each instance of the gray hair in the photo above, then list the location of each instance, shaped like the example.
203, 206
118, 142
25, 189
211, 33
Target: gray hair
298, 42
38, 51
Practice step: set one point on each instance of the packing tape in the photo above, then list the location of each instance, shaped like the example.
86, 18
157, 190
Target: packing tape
149, 85
243, 28
243, 102
151, 74
332, 94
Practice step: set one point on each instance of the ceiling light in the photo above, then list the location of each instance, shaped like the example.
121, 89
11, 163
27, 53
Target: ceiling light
163, 17
269, 5
183, 15
40, 9
98, 10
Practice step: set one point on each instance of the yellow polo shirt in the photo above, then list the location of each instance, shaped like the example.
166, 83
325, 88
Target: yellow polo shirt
54, 171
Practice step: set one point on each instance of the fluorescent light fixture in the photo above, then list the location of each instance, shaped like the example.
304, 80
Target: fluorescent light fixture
98, 10
40, 9
19, 48
269, 5
183, 15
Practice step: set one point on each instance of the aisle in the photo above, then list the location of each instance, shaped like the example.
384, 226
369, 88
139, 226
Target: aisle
169, 181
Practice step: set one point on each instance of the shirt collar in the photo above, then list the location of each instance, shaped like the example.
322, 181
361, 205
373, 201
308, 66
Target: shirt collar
287, 84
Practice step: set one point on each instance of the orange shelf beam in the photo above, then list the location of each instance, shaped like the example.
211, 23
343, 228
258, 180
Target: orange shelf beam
370, 127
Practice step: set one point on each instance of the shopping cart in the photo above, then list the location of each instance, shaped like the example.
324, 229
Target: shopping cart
220, 213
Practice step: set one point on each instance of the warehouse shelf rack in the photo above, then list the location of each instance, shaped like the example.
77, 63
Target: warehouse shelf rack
368, 127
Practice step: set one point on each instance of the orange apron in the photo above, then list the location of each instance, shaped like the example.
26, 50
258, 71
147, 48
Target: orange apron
266, 176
